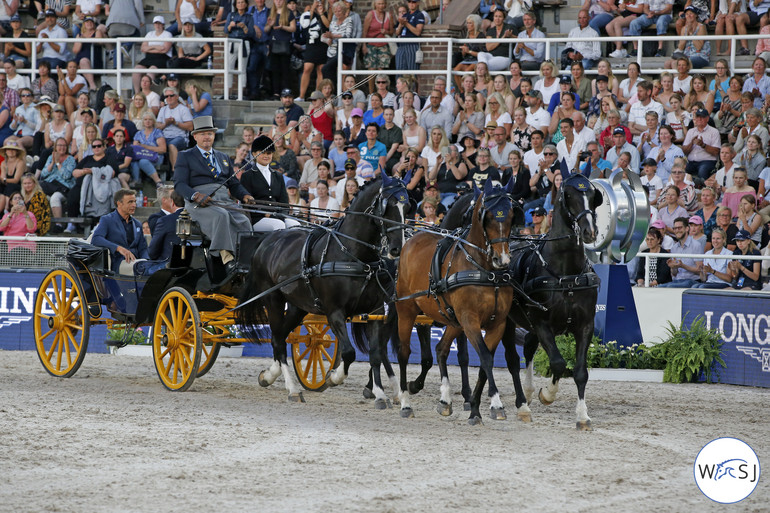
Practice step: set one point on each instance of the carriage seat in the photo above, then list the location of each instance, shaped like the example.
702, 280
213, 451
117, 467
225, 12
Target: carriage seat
93, 257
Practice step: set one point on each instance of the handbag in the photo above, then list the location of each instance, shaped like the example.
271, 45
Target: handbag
281, 47
142, 153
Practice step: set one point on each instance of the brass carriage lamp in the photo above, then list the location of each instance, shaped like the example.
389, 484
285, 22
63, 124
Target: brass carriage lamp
184, 229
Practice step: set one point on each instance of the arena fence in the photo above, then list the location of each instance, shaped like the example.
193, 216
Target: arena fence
125, 48
32, 252
647, 257
553, 48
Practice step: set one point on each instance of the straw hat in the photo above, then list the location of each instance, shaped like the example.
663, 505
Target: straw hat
45, 100
14, 145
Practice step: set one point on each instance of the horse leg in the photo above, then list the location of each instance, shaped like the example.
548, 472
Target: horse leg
530, 348
582, 341
514, 363
407, 313
487, 346
274, 308
475, 418
426, 362
375, 332
291, 319
442, 352
547, 395
368, 387
336, 321
463, 361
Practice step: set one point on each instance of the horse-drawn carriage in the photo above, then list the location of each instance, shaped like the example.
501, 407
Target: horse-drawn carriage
189, 307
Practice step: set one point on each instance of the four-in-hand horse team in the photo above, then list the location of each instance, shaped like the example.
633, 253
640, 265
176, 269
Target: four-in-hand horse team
471, 276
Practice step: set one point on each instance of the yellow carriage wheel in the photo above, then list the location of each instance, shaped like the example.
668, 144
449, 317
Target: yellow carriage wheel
313, 355
210, 351
177, 340
61, 323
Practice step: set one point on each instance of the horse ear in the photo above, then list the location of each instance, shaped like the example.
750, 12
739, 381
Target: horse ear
476, 191
488, 186
509, 186
587, 169
564, 169
386, 180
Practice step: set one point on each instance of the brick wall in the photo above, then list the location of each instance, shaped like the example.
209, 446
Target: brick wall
434, 54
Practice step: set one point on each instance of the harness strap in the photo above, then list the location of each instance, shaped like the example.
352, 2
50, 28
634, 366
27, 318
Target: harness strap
569, 283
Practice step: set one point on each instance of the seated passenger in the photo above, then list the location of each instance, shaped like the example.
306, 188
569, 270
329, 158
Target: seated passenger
202, 176
164, 234
121, 233
266, 185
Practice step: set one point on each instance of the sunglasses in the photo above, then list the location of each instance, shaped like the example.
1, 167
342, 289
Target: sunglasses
169, 96
25, 95
381, 82
549, 153
96, 146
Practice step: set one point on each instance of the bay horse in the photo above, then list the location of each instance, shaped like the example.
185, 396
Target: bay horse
337, 272
559, 292
461, 283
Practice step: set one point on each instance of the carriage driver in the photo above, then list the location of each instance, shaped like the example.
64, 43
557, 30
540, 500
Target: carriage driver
266, 186
199, 175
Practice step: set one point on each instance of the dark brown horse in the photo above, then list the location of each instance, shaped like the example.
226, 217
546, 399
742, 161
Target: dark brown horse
462, 283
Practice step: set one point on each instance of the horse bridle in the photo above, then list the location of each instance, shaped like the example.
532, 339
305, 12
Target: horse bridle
574, 219
377, 210
488, 203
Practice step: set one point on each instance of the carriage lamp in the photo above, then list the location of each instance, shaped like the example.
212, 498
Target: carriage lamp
184, 229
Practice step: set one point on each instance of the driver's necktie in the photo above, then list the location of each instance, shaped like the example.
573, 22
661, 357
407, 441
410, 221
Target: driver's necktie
210, 162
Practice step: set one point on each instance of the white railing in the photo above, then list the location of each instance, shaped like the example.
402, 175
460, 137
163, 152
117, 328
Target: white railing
37, 252
550, 42
703, 256
120, 72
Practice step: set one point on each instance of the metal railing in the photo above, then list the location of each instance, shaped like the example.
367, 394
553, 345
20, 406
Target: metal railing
32, 252
550, 43
120, 72
648, 256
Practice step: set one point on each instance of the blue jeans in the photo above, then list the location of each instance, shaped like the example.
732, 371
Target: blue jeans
145, 166
255, 67
600, 21
680, 284
701, 168
447, 198
698, 62
642, 22
180, 142
711, 285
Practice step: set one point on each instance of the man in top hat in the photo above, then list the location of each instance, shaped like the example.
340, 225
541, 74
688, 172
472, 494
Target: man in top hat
266, 186
204, 178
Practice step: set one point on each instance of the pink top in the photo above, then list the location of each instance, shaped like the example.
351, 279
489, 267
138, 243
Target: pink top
763, 45
377, 27
733, 200
18, 228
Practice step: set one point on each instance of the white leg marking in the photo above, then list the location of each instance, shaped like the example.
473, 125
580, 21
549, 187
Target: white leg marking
379, 393
529, 387
338, 375
582, 411
403, 397
288, 378
524, 408
272, 372
495, 402
446, 391
550, 390
394, 386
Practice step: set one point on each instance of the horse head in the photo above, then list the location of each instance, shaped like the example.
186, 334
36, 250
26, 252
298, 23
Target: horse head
578, 201
493, 216
393, 206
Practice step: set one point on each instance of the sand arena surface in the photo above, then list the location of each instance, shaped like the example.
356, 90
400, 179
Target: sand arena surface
113, 439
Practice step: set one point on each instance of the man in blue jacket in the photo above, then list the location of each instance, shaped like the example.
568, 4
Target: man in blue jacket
121, 233
165, 235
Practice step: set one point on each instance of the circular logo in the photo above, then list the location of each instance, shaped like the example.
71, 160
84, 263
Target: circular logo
726, 470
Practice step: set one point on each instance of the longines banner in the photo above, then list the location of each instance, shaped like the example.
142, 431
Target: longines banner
745, 325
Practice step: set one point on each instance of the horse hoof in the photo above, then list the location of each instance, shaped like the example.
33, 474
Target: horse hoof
466, 406
382, 404
444, 409
524, 416
475, 421
262, 381
328, 379
584, 425
296, 398
368, 394
543, 399
413, 387
407, 413
497, 414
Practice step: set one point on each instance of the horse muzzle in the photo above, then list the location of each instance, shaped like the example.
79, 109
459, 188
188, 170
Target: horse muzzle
501, 261
394, 252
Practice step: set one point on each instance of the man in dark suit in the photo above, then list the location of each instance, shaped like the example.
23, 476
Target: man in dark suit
165, 235
203, 176
119, 232
267, 186
166, 206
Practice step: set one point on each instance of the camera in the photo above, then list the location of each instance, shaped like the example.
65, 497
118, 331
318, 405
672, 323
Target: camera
584, 155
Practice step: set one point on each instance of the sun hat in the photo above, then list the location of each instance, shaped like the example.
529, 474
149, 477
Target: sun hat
14, 145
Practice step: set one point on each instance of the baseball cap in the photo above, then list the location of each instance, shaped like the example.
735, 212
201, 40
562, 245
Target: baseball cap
350, 163
659, 224
50, 12
86, 111
172, 76
602, 78
690, 8
15, 17
533, 93
159, 19
89, 18
120, 107
538, 211
565, 79
702, 113
650, 162
696, 220
316, 95
357, 112
287, 92
618, 131
742, 235
347, 94
59, 108
291, 183
188, 20
431, 185
492, 124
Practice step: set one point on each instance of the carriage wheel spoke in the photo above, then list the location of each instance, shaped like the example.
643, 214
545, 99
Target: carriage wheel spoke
304, 353
71, 296
326, 354
46, 334
50, 303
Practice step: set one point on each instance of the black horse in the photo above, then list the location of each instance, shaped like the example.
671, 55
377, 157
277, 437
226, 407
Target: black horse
337, 272
558, 294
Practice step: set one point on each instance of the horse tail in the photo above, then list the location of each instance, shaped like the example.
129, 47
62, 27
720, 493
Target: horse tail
358, 329
252, 316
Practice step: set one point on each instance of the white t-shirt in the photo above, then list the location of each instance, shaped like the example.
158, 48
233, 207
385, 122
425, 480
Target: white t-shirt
331, 204
547, 92
18, 82
153, 99
655, 185
339, 190
764, 175
682, 85
78, 80
502, 119
88, 6
431, 156
532, 160
164, 35
180, 113
538, 119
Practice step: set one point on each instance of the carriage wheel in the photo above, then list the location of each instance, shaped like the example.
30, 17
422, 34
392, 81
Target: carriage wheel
314, 355
61, 323
177, 340
210, 351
